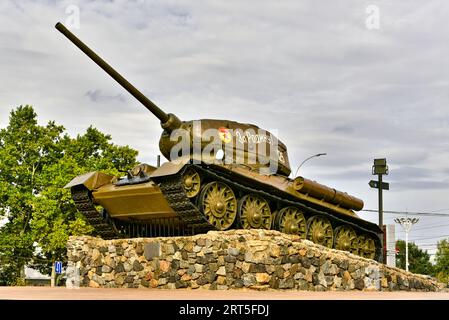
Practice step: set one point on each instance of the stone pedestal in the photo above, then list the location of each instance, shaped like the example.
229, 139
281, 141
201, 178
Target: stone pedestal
254, 259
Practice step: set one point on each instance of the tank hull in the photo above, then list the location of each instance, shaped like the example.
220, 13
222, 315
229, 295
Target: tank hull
143, 201
162, 203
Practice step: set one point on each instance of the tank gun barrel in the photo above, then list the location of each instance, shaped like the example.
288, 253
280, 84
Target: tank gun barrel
161, 115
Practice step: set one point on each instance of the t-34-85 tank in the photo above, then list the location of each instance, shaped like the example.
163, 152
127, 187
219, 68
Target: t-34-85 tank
221, 175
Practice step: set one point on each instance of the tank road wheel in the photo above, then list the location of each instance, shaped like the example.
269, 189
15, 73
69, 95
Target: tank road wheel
366, 246
346, 239
191, 182
219, 204
320, 231
254, 212
290, 220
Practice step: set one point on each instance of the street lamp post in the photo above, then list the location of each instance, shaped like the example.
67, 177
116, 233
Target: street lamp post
315, 155
407, 224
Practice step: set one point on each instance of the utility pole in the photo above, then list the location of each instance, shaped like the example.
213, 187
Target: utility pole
407, 224
381, 203
380, 168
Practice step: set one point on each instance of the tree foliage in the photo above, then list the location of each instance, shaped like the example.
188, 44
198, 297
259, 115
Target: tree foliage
35, 163
419, 260
442, 261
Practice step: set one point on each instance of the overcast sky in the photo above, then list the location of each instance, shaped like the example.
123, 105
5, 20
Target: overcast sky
356, 79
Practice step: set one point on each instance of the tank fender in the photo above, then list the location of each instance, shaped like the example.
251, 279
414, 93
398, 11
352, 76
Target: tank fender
169, 168
91, 180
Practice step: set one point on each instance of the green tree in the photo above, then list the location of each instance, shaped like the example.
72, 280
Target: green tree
36, 162
419, 260
442, 261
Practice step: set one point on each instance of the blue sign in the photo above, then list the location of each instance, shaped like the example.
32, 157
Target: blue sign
58, 267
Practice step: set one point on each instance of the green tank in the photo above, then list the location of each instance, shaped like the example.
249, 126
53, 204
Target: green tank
220, 175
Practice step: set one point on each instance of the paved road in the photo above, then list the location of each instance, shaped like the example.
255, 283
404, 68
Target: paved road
61, 293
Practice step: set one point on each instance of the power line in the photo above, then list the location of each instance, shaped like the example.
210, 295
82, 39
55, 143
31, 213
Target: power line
430, 227
428, 244
442, 236
446, 209
434, 214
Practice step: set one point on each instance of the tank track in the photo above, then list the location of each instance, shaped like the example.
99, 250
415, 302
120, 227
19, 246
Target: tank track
102, 225
173, 190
